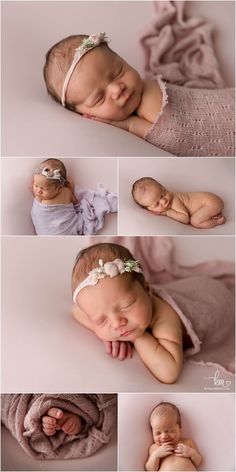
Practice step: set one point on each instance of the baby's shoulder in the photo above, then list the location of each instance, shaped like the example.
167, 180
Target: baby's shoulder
166, 322
66, 191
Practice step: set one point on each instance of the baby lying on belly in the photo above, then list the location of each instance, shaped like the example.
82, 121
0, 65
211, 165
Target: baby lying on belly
199, 209
170, 451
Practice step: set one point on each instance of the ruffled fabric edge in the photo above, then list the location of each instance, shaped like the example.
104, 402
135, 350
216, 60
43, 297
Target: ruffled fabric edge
162, 86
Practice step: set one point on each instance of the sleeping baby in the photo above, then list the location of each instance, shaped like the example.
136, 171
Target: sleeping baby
199, 209
84, 75
57, 210
170, 451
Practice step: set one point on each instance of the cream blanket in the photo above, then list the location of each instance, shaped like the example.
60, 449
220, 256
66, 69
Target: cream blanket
22, 413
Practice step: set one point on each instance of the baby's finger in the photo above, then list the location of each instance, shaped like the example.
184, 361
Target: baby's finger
115, 348
55, 413
108, 346
129, 350
95, 118
122, 351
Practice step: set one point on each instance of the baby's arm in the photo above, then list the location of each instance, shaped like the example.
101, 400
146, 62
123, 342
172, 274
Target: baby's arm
163, 358
71, 186
162, 351
189, 450
178, 212
155, 454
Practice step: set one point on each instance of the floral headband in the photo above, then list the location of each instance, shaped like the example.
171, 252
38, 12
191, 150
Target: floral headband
51, 174
109, 269
87, 44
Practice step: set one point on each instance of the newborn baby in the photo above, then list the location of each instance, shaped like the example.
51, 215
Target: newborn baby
87, 77
50, 185
57, 419
199, 209
170, 451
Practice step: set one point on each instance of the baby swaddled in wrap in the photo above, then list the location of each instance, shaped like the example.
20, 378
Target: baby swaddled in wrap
84, 218
58, 209
22, 414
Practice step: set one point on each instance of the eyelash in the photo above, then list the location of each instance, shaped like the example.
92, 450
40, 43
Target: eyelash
128, 306
101, 322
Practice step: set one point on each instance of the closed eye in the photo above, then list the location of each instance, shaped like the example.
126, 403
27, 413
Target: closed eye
119, 72
129, 305
101, 321
100, 100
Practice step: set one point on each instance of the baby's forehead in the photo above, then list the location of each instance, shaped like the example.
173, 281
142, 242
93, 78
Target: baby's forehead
41, 179
163, 411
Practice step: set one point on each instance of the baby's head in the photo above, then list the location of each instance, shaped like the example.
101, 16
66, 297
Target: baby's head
114, 296
165, 421
151, 195
86, 76
49, 178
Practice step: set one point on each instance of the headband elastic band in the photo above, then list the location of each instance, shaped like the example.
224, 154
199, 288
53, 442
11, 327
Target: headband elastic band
51, 174
87, 44
109, 269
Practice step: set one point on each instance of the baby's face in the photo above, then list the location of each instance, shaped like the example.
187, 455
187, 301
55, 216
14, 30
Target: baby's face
156, 198
103, 85
43, 188
165, 429
118, 308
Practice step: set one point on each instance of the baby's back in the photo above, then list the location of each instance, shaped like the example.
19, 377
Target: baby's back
62, 198
174, 463
195, 200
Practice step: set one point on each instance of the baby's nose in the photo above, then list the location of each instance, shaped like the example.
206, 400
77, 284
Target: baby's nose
118, 321
116, 90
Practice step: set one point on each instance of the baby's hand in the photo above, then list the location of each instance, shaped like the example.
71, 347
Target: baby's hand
182, 450
124, 124
157, 212
165, 450
121, 349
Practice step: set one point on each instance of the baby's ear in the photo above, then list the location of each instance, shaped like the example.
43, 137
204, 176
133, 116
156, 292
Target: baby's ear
147, 287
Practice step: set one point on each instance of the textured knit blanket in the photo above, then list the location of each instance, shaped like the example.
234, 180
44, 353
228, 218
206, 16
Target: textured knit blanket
194, 121
85, 217
202, 295
22, 413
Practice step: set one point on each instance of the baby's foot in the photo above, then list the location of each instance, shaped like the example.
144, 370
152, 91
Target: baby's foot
57, 419
70, 423
219, 219
49, 421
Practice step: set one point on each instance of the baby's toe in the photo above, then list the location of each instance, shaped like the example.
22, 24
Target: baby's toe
68, 427
55, 413
49, 430
48, 421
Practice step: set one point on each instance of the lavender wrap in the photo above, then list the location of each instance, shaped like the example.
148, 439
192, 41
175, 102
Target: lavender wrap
195, 122
84, 218
206, 309
22, 413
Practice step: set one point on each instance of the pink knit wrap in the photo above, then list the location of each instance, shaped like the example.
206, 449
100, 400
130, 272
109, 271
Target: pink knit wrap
195, 122
22, 415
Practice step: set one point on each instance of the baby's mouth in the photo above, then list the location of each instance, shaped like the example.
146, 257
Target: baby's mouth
125, 98
126, 333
